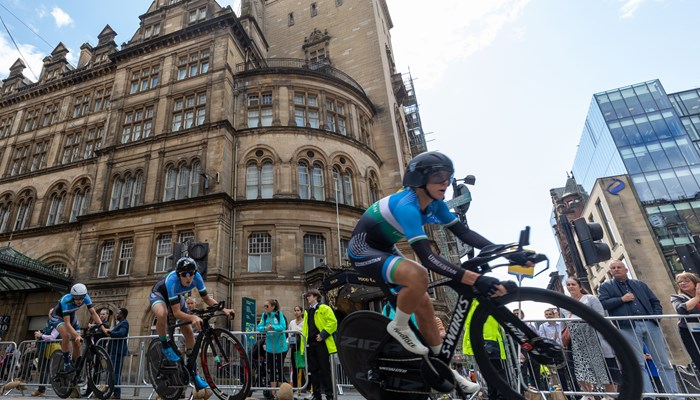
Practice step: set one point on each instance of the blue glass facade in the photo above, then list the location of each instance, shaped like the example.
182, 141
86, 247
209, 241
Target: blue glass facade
654, 138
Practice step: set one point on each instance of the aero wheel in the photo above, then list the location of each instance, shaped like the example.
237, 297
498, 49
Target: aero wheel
61, 382
601, 349
100, 373
395, 374
225, 365
158, 379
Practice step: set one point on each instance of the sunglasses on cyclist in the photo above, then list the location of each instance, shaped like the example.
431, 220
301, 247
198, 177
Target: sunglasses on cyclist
78, 297
186, 274
440, 176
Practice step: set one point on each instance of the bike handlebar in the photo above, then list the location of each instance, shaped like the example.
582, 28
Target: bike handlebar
514, 252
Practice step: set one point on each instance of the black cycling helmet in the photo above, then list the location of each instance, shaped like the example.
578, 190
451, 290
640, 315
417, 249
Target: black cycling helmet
185, 264
425, 164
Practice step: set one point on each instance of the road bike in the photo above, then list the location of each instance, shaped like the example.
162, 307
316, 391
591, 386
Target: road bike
93, 370
221, 355
380, 368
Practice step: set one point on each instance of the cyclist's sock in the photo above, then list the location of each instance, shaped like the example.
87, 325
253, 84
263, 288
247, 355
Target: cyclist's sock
436, 349
66, 359
401, 319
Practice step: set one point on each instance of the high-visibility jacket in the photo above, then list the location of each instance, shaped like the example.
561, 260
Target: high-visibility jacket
325, 321
492, 331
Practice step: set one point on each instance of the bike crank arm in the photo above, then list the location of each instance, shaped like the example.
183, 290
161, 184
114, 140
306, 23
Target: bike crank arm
437, 374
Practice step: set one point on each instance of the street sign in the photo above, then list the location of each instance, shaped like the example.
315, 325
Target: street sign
522, 271
459, 200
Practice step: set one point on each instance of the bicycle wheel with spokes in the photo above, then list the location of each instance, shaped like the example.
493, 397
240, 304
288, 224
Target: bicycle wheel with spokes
100, 373
395, 374
61, 382
225, 365
164, 383
630, 387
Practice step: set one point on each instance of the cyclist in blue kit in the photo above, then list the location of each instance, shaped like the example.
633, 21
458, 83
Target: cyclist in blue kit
373, 253
167, 295
62, 318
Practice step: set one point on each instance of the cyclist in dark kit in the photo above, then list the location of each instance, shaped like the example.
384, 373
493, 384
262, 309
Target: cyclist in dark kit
373, 253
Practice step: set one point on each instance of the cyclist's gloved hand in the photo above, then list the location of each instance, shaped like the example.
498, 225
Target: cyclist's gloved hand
487, 285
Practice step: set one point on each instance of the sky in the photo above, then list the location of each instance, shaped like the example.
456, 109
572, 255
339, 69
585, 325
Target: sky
503, 85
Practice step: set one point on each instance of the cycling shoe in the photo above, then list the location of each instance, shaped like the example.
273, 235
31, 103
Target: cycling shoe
200, 383
170, 354
464, 383
407, 338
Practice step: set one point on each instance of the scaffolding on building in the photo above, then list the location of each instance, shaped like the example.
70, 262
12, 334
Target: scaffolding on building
414, 127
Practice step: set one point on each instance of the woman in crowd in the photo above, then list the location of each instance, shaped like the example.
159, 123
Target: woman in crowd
686, 303
274, 324
295, 325
591, 353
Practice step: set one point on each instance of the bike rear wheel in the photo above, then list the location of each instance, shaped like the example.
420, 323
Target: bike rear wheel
630, 387
100, 373
162, 385
395, 374
61, 382
225, 365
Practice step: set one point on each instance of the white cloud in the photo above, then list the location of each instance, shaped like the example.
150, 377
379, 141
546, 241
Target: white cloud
469, 26
9, 54
629, 8
61, 18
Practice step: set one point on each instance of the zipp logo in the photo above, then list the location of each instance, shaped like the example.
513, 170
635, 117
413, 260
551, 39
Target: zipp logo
359, 343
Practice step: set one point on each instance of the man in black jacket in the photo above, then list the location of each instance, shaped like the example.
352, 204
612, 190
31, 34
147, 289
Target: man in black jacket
622, 296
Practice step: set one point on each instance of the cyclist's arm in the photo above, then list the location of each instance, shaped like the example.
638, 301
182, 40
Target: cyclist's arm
181, 315
71, 329
208, 300
468, 236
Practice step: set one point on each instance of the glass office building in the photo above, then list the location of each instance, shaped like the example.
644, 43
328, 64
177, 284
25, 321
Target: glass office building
654, 138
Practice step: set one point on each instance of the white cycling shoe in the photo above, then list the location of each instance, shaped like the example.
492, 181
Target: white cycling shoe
407, 338
464, 383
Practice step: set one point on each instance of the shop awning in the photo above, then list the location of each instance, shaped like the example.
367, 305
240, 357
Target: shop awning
21, 273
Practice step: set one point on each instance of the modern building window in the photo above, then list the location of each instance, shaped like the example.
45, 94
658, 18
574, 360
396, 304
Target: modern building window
103, 99
126, 255
311, 181
81, 145
335, 116
138, 124
259, 252
259, 109
182, 181
126, 191
314, 251
259, 181
56, 208
6, 125
106, 259
306, 110
342, 184
193, 64
189, 111
144, 79
81, 199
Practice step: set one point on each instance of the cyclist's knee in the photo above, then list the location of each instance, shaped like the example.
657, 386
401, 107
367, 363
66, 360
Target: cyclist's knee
418, 278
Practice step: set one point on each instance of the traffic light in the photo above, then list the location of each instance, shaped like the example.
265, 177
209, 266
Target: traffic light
588, 235
198, 251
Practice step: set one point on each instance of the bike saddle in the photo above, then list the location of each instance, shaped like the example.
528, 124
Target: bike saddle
547, 351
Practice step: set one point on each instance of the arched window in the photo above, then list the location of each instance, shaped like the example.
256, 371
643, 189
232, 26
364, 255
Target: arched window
56, 208
311, 181
182, 182
373, 189
5, 211
317, 192
342, 184
259, 252
25, 206
81, 198
304, 184
259, 181
126, 191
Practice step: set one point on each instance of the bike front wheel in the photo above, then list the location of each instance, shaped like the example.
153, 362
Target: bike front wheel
591, 333
100, 373
225, 365
61, 382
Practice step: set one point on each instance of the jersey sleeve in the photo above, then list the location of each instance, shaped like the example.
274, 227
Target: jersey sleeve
65, 305
171, 283
199, 284
443, 214
409, 217
88, 301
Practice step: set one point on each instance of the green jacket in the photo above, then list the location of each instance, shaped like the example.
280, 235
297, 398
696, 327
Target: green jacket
492, 331
325, 321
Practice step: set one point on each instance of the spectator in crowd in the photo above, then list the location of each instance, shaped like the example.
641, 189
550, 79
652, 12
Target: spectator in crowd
554, 330
294, 340
44, 351
591, 352
531, 368
622, 296
104, 313
118, 348
686, 303
191, 303
26, 363
319, 326
274, 324
493, 342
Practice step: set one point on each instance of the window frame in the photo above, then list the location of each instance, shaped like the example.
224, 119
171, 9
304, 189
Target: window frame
264, 253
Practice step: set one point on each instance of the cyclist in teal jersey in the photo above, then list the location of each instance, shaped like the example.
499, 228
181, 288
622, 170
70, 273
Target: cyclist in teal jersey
402, 215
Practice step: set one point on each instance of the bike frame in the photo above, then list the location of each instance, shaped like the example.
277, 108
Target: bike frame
191, 363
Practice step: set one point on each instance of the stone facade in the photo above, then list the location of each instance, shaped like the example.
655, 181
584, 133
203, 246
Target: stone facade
265, 139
